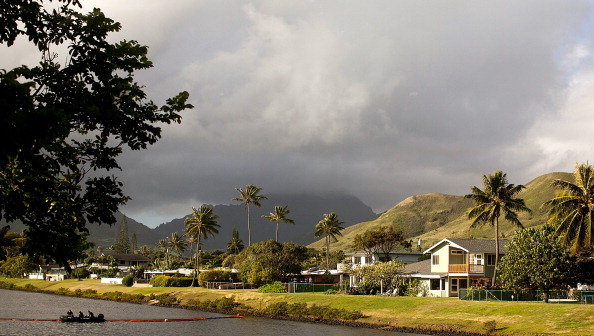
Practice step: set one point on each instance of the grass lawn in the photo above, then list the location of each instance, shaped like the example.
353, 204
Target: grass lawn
512, 318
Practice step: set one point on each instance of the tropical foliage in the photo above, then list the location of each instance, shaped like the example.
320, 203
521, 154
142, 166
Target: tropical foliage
251, 195
536, 260
571, 210
381, 275
497, 198
235, 245
279, 215
66, 119
200, 225
122, 243
268, 261
384, 240
329, 227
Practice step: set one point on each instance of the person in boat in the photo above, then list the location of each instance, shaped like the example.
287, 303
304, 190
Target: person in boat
80, 314
91, 314
69, 313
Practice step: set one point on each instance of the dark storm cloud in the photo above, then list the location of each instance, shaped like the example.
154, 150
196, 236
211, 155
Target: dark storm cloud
380, 99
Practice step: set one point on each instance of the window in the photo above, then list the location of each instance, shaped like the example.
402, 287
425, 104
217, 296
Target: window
490, 260
476, 259
434, 284
356, 260
435, 260
454, 285
456, 252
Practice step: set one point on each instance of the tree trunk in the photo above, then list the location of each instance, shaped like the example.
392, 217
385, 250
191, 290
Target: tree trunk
249, 231
277, 232
327, 253
496, 250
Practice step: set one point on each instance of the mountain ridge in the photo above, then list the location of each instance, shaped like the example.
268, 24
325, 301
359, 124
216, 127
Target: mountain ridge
434, 216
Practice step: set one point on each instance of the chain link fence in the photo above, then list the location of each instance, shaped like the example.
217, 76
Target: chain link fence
553, 296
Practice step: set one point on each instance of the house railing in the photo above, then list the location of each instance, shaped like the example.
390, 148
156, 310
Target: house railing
466, 268
458, 268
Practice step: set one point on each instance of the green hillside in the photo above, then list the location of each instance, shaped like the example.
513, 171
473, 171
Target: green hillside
432, 217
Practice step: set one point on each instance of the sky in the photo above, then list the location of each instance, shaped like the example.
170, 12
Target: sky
381, 100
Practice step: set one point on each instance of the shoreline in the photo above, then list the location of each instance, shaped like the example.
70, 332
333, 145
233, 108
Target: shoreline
444, 331
415, 315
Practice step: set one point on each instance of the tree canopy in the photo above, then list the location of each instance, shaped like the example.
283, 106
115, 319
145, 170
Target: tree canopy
572, 210
331, 227
384, 240
535, 260
497, 198
66, 120
279, 215
251, 195
269, 261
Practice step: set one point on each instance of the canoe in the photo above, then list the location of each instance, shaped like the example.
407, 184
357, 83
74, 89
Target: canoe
86, 319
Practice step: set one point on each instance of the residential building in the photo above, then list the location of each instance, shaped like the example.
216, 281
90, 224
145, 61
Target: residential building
457, 264
361, 259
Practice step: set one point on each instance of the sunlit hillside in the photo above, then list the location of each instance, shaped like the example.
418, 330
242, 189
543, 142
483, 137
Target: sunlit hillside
431, 217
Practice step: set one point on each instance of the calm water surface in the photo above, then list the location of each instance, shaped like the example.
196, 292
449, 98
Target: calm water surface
17, 304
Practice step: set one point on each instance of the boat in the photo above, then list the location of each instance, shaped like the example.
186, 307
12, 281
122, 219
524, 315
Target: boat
84, 319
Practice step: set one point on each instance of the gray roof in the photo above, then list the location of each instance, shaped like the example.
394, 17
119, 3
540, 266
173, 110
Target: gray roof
129, 256
480, 245
421, 267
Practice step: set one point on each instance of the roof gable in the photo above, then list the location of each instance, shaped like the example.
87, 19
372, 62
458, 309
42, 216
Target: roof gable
472, 245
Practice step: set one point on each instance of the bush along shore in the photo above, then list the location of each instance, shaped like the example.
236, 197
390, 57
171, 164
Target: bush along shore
229, 305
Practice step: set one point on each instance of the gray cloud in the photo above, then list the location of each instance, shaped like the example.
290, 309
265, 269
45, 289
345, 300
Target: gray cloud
381, 99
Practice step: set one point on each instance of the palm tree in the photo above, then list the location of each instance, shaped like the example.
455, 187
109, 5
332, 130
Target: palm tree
235, 245
497, 198
200, 224
163, 244
177, 244
572, 209
331, 227
279, 215
249, 196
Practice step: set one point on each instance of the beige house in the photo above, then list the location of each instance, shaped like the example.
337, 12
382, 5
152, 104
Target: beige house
457, 264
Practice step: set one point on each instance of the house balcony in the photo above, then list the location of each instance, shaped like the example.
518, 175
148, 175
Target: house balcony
466, 268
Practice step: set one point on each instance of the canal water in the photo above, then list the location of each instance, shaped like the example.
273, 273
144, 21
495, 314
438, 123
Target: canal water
29, 305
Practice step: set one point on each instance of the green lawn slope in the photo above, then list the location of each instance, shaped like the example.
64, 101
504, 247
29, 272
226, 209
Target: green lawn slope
511, 318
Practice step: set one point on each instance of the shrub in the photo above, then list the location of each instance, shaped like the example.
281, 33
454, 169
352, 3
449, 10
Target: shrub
179, 282
331, 291
159, 281
278, 309
167, 281
125, 297
166, 299
7, 285
275, 287
128, 280
80, 273
490, 326
226, 303
297, 309
213, 275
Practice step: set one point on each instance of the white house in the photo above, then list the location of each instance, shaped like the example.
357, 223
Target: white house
457, 264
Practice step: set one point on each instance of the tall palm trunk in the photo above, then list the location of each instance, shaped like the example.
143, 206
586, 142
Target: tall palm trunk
276, 237
196, 261
327, 252
249, 230
496, 250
